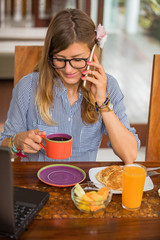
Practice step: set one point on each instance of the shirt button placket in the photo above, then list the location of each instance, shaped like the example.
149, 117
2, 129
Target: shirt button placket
70, 122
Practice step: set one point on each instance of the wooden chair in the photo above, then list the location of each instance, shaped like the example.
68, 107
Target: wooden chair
153, 138
26, 57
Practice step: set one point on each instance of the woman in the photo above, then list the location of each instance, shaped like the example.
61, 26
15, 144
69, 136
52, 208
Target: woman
53, 98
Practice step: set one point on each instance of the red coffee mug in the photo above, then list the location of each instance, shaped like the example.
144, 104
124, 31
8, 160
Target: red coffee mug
57, 145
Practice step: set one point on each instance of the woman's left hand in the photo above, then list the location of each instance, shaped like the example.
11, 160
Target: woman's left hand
98, 80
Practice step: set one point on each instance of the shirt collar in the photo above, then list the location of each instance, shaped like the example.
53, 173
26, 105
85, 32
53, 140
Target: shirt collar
60, 89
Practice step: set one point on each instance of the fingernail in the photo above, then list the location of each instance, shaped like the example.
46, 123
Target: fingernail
83, 71
88, 62
82, 77
95, 54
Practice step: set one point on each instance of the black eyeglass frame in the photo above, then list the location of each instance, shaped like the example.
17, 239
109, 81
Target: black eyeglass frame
50, 60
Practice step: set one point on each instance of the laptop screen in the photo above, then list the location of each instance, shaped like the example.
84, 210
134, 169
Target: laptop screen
6, 189
14, 199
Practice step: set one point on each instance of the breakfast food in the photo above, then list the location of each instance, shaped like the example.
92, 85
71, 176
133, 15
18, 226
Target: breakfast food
111, 177
90, 201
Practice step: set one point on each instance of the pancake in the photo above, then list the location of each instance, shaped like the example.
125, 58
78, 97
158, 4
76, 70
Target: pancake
111, 177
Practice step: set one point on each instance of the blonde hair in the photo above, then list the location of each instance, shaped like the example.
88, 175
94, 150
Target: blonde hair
67, 27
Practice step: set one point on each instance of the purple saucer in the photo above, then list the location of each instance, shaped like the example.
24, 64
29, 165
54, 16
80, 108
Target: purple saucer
61, 175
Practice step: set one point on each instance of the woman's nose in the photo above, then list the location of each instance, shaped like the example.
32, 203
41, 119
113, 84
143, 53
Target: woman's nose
68, 67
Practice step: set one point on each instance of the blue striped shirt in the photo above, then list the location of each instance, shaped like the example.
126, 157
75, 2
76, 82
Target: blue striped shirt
22, 116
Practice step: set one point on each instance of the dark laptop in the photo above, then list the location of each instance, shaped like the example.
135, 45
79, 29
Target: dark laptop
18, 206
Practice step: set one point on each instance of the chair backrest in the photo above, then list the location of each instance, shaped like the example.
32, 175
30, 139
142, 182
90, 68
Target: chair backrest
153, 138
26, 57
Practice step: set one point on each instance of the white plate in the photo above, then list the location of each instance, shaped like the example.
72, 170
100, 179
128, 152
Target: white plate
92, 175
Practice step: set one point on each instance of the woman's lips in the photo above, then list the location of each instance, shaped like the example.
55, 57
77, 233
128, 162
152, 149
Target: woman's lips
70, 75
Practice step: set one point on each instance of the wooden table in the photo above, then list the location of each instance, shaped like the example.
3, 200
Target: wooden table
60, 219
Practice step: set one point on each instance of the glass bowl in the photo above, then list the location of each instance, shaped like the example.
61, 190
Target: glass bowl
89, 205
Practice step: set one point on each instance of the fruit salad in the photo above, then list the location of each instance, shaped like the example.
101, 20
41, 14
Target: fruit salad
89, 198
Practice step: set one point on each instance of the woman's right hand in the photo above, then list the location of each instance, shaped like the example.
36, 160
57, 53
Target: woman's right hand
28, 141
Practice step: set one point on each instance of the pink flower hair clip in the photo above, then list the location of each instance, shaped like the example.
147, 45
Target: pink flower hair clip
101, 35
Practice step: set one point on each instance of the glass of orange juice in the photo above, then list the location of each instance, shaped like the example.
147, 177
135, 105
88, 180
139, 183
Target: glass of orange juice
133, 181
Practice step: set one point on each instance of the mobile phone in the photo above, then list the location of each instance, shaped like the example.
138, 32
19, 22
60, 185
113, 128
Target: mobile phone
87, 84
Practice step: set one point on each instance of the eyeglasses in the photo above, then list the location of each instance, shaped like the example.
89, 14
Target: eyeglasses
60, 63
